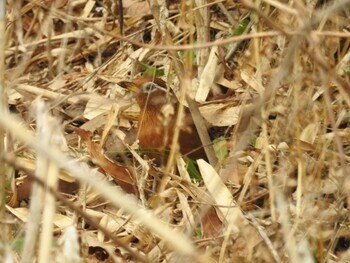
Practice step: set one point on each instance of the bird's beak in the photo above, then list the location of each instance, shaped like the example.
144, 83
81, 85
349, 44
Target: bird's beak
129, 85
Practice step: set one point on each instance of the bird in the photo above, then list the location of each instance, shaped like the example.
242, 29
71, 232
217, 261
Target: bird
156, 122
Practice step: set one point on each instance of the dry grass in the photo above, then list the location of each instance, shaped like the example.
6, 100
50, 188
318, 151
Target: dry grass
270, 78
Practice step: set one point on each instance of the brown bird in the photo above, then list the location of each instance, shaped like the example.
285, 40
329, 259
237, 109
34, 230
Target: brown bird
156, 124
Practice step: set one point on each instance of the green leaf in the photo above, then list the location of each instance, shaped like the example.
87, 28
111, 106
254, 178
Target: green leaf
150, 71
199, 232
220, 148
254, 140
192, 170
242, 26
17, 244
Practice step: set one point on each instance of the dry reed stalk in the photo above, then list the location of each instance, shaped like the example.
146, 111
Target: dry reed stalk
3, 137
49, 132
202, 21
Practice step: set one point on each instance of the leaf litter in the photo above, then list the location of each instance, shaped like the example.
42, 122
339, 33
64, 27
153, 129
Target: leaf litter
276, 96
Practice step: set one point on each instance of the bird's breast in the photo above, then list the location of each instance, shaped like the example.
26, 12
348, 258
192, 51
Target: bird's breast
154, 130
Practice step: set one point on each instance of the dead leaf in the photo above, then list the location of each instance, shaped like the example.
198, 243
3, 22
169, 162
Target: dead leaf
61, 221
122, 175
208, 76
56, 3
220, 114
24, 187
310, 132
252, 82
136, 8
112, 117
223, 197
210, 221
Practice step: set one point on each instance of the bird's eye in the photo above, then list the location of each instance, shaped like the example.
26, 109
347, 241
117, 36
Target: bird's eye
149, 87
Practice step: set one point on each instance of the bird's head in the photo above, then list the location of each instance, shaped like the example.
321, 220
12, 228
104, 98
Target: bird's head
150, 92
